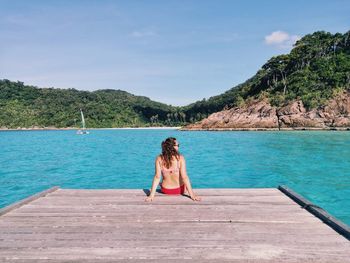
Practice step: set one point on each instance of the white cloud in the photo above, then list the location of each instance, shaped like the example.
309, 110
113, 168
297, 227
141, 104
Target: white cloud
281, 39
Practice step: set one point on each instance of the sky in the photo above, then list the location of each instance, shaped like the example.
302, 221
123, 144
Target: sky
175, 52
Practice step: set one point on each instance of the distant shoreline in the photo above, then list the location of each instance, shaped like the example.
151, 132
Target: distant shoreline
184, 129
68, 129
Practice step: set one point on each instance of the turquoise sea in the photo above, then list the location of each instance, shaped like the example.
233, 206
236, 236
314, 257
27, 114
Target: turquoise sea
316, 164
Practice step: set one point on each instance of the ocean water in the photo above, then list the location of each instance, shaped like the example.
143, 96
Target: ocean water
316, 164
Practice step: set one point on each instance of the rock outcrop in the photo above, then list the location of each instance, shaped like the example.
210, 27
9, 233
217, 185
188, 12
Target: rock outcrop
260, 114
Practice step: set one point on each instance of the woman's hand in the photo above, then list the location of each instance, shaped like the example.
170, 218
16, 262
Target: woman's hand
149, 198
195, 198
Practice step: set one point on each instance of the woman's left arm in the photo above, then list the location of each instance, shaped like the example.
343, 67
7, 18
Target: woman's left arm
186, 180
156, 180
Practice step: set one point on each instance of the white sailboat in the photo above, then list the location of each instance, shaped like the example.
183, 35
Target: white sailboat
83, 129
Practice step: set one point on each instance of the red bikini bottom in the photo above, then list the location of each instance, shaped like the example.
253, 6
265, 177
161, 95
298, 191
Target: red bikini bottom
173, 191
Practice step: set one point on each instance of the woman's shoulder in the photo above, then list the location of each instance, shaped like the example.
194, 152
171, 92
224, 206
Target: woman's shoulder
181, 157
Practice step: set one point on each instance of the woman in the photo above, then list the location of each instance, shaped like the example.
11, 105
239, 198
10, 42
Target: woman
172, 166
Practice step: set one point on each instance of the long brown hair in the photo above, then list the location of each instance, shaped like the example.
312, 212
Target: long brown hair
168, 151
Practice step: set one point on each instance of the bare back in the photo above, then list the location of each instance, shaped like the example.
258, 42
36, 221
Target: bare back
171, 176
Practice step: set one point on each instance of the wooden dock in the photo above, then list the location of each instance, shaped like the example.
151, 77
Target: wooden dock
228, 225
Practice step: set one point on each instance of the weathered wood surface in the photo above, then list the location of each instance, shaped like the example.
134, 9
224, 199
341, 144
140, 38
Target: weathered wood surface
228, 225
317, 211
27, 200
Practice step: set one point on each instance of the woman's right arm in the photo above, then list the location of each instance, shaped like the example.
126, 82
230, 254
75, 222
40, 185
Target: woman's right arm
155, 182
186, 180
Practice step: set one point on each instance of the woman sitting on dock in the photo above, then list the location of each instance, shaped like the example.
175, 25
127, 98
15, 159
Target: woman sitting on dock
172, 166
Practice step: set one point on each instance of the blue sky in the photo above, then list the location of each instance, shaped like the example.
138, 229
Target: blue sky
174, 52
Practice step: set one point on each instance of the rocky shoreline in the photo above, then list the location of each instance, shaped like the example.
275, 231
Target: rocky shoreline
261, 115
269, 129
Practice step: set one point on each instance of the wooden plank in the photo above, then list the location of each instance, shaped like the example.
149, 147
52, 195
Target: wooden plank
161, 200
123, 210
86, 241
101, 220
319, 212
174, 213
254, 251
241, 227
187, 227
143, 192
131, 260
150, 206
168, 231
27, 200
146, 207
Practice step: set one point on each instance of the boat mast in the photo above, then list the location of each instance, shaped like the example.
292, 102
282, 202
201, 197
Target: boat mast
82, 118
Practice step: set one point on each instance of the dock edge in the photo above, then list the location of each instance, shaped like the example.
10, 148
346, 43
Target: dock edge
27, 200
317, 211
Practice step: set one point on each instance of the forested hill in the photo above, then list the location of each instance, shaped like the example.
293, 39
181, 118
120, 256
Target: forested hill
28, 106
317, 67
